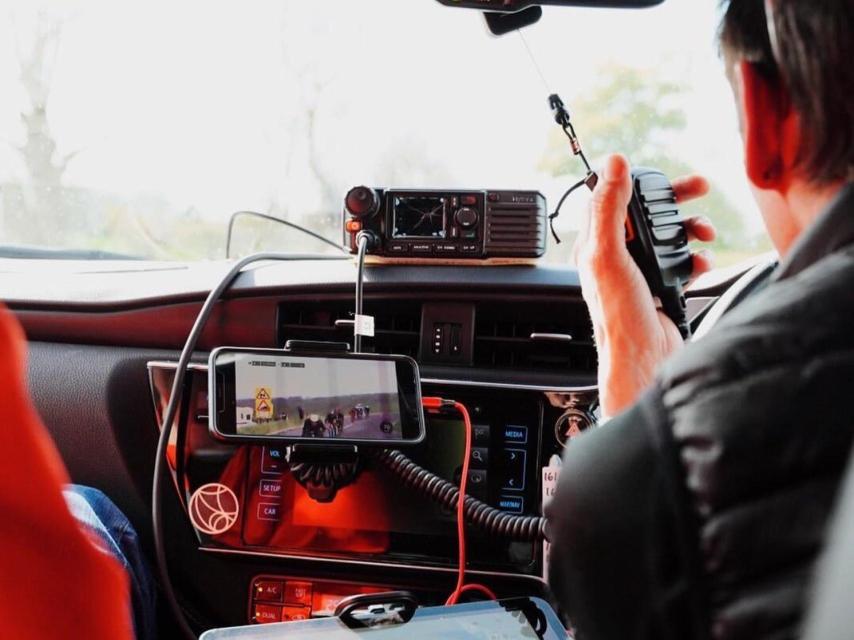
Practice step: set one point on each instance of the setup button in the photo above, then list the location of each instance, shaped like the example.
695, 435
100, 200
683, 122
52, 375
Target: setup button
269, 488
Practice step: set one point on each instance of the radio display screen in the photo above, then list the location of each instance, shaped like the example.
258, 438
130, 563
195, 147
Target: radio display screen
419, 216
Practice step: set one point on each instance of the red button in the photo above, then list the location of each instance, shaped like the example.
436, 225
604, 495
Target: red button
468, 201
353, 226
269, 590
265, 613
295, 613
298, 593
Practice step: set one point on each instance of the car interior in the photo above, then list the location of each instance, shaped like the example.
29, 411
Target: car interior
412, 254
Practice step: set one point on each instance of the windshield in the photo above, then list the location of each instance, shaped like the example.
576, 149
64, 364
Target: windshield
139, 129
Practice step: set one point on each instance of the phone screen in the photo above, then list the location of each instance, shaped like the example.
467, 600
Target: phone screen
271, 395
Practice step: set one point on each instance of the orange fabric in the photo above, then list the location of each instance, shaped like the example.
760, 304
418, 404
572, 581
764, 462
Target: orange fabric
54, 581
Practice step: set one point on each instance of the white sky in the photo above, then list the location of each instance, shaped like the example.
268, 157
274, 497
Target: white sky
196, 101
321, 377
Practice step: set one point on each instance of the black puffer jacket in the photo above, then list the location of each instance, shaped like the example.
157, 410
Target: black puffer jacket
699, 512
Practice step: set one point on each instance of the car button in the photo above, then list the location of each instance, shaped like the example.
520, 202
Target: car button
269, 511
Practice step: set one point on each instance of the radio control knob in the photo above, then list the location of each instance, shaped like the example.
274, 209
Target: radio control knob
466, 217
361, 202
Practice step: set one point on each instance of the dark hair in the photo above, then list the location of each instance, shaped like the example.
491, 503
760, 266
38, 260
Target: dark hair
813, 66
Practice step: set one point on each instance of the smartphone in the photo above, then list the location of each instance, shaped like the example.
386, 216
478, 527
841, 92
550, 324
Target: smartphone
278, 396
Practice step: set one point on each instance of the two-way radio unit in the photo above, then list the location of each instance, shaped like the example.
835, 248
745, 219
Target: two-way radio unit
447, 224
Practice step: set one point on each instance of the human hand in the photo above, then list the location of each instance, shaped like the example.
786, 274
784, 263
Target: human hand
632, 336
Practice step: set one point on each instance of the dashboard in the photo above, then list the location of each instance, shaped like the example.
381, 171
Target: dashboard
513, 343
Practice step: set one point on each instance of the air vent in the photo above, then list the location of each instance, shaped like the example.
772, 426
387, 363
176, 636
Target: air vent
503, 337
397, 324
515, 224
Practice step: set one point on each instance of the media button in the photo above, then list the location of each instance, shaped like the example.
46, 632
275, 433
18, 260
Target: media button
516, 433
269, 511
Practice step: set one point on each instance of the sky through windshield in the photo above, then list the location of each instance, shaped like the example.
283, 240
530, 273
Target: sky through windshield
161, 119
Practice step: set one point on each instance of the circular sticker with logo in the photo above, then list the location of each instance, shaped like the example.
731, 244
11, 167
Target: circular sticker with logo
213, 508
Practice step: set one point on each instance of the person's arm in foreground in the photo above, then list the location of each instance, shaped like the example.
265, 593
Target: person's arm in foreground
616, 496
54, 580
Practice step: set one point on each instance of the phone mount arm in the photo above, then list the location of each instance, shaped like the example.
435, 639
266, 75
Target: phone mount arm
322, 469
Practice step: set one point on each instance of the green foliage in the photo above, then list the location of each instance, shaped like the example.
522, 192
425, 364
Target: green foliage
638, 113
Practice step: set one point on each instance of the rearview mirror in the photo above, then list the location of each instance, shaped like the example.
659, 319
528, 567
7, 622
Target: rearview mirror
511, 6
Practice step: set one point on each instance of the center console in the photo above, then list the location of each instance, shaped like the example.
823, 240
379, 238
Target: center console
376, 521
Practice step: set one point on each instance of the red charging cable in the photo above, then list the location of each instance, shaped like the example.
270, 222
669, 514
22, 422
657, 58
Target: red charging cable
436, 405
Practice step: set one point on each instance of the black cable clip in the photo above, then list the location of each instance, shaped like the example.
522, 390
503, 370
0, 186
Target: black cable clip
589, 181
562, 117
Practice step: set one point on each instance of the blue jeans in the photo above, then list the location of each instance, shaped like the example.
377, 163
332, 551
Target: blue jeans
97, 513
